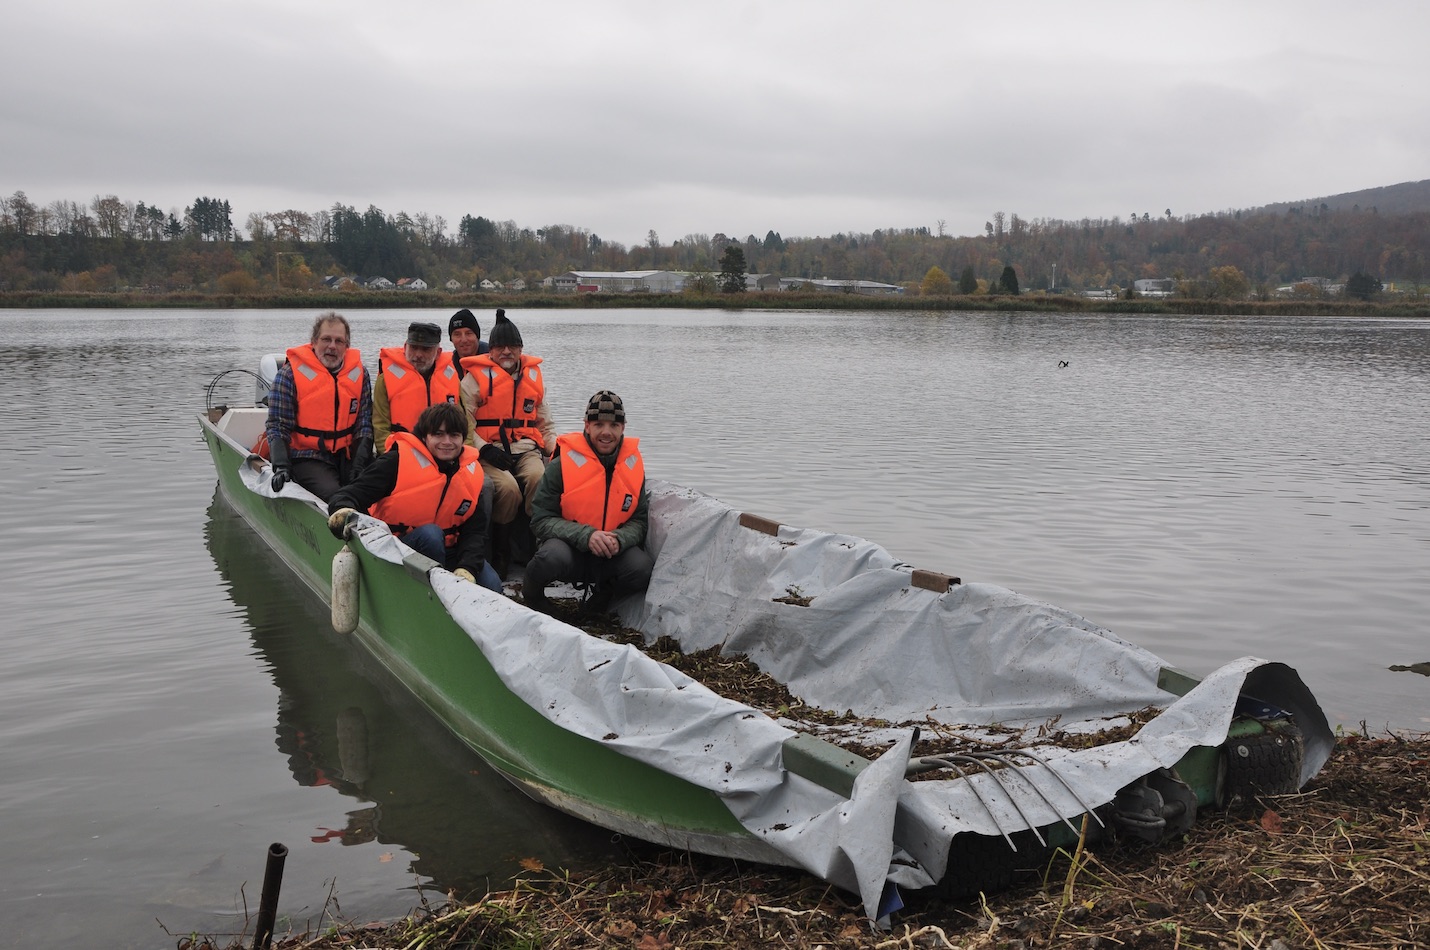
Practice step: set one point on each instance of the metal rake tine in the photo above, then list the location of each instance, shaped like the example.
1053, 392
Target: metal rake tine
1018, 770
1016, 807
978, 795
1043, 762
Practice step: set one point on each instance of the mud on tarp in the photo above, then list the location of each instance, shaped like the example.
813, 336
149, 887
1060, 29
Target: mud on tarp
868, 641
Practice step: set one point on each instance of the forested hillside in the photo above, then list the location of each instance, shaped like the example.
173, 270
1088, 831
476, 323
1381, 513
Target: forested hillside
112, 244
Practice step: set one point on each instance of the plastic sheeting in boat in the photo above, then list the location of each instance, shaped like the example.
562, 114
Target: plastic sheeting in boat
838, 620
870, 642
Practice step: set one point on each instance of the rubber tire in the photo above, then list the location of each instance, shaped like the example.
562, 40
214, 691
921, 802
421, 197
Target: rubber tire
1268, 763
985, 863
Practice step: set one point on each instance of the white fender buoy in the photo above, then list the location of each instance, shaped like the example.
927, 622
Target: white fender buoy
345, 591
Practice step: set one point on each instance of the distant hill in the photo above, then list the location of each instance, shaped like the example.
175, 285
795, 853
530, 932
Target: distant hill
1404, 198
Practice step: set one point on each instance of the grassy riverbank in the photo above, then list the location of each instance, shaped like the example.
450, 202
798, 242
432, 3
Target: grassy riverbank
432, 300
1345, 864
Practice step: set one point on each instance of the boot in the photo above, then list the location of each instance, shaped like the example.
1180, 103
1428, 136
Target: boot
536, 599
598, 604
500, 559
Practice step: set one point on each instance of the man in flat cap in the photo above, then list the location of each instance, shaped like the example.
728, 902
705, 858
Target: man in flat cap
591, 513
410, 378
466, 335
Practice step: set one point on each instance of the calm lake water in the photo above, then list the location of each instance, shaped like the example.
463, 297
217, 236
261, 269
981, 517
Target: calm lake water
173, 702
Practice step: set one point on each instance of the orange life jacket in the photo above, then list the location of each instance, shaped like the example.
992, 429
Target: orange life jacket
508, 405
585, 496
408, 392
423, 495
328, 402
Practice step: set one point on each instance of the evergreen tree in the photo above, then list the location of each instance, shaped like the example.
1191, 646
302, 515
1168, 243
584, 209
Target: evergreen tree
732, 270
1008, 283
1363, 286
968, 281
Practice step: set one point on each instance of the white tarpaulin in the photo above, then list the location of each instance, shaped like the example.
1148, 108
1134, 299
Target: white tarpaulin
870, 642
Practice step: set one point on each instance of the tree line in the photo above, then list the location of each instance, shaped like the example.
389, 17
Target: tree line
112, 244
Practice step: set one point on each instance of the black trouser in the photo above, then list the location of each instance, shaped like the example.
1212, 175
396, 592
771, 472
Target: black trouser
626, 573
319, 475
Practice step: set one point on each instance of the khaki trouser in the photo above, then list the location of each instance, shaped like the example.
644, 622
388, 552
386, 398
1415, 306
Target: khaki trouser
510, 489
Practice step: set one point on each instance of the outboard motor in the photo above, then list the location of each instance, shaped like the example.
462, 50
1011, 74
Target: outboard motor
267, 369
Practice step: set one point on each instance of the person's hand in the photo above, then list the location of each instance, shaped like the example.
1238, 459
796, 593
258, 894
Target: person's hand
280, 478
603, 544
465, 575
496, 456
341, 521
362, 455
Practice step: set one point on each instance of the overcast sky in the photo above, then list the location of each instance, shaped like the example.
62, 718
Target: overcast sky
806, 118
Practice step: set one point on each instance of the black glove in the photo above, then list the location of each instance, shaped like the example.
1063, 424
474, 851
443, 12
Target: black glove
362, 455
496, 456
278, 457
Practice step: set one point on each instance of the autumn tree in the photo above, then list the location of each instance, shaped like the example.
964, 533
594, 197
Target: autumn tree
700, 282
111, 215
20, 213
1228, 283
936, 283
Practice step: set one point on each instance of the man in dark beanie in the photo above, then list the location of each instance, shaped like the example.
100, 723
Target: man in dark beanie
505, 398
591, 513
466, 335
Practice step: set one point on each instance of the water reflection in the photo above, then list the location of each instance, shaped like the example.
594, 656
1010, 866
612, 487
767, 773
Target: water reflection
345, 725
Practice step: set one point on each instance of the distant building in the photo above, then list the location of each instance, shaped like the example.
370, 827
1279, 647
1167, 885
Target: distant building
1155, 286
866, 287
378, 283
411, 283
623, 281
516, 285
453, 285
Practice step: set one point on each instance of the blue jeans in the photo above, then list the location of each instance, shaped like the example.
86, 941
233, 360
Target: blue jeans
429, 540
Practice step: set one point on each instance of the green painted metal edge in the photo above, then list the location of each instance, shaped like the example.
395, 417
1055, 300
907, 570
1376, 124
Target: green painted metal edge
1175, 681
405, 626
823, 763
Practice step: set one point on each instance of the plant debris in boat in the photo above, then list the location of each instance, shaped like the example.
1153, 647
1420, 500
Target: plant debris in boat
1344, 863
737, 677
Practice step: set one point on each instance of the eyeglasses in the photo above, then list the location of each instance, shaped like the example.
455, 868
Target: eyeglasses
503, 346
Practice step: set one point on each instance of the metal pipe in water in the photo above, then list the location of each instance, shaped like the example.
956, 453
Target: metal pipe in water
268, 903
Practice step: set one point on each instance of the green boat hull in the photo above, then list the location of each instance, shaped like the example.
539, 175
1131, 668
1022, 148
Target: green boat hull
408, 629
404, 625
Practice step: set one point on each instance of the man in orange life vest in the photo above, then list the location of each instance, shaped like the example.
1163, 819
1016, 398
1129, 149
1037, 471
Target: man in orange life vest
319, 426
591, 512
504, 395
429, 489
409, 379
